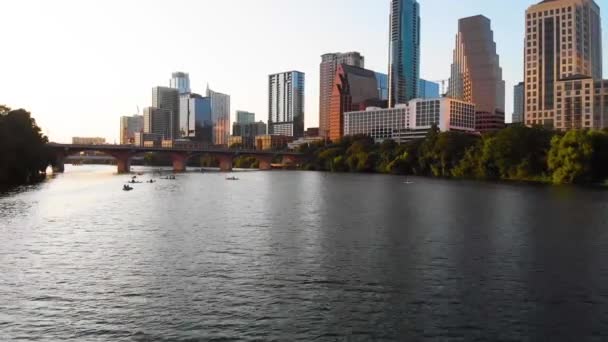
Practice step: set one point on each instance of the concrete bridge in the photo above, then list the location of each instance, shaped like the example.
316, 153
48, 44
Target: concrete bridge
179, 155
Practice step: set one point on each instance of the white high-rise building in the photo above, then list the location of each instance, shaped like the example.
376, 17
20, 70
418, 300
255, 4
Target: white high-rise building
286, 104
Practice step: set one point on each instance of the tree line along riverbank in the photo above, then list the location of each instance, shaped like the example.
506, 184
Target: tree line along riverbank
517, 153
24, 156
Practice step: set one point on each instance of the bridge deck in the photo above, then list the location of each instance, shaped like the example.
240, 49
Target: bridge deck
197, 150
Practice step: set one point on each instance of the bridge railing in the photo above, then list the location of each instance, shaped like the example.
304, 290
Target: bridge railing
178, 148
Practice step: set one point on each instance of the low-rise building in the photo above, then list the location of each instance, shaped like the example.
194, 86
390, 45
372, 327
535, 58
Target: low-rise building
312, 132
581, 103
413, 120
272, 142
148, 139
378, 123
241, 142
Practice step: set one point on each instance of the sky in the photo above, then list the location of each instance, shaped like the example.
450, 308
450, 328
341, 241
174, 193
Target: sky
79, 65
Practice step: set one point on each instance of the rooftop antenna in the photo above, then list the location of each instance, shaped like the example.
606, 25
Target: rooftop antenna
137, 110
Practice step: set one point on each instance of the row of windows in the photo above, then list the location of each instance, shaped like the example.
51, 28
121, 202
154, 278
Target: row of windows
550, 12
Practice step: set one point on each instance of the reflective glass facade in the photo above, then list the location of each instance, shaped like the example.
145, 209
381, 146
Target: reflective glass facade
427, 89
404, 51
244, 117
382, 80
195, 118
220, 116
181, 82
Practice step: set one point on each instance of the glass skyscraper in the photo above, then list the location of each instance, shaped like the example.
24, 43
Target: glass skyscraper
220, 116
404, 51
168, 99
195, 117
181, 82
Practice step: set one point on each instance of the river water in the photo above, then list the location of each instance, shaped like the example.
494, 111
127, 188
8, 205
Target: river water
289, 256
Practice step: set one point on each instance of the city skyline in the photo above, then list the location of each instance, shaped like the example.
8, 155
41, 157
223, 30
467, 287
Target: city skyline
115, 74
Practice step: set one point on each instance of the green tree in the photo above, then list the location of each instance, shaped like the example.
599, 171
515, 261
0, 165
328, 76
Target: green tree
571, 156
24, 155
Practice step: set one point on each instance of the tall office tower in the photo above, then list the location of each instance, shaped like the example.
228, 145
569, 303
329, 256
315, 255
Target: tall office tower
195, 117
168, 99
244, 117
518, 103
404, 51
220, 116
129, 125
286, 104
476, 73
428, 90
181, 82
354, 89
329, 64
563, 40
158, 121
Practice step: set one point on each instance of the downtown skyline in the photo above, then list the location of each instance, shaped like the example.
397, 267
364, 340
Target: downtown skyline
111, 78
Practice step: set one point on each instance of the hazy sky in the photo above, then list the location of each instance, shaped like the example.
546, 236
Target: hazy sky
79, 65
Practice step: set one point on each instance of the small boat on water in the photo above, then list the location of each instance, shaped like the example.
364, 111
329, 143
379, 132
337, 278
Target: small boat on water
151, 181
407, 181
169, 178
232, 178
133, 181
127, 188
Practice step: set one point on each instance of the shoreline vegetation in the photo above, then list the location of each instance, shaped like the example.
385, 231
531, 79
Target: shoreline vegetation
514, 154
24, 156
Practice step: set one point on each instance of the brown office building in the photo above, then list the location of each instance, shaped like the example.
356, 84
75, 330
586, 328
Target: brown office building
329, 65
476, 75
353, 88
562, 61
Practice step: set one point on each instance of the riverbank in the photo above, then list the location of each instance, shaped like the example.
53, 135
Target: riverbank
517, 153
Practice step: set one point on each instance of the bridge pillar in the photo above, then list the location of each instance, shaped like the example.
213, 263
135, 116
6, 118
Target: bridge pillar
123, 162
225, 162
265, 163
59, 163
180, 161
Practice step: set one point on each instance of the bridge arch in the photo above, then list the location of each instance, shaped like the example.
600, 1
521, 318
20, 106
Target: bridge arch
123, 158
